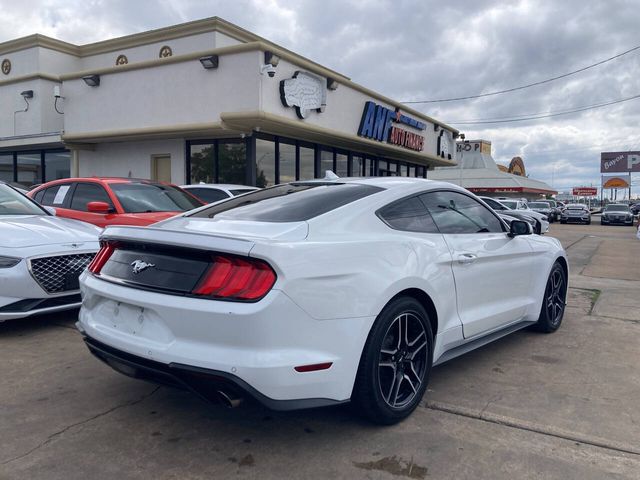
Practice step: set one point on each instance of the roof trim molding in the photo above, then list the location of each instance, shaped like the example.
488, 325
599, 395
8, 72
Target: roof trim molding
147, 133
268, 122
31, 76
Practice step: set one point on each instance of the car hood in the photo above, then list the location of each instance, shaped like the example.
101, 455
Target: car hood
20, 231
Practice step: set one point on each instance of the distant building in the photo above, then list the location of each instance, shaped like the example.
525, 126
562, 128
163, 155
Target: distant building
478, 172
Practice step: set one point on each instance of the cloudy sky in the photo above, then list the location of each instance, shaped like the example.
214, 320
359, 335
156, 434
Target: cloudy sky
415, 50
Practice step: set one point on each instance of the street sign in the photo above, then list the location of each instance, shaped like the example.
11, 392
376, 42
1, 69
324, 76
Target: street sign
585, 191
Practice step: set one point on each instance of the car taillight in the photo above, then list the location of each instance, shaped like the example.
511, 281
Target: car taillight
235, 278
101, 258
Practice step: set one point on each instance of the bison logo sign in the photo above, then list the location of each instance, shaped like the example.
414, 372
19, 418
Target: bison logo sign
305, 92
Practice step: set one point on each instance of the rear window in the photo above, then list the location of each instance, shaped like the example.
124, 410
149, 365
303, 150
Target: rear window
152, 197
292, 202
539, 205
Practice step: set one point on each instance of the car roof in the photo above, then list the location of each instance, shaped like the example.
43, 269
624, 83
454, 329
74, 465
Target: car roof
226, 186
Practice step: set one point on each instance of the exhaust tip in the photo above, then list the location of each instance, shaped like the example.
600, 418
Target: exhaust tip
228, 400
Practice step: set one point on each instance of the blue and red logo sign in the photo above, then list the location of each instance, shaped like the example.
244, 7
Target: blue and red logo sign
378, 123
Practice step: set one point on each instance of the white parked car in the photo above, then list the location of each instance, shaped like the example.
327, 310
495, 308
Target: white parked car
41, 257
214, 192
318, 293
539, 220
522, 205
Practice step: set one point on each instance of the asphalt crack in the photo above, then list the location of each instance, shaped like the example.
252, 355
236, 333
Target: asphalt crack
83, 422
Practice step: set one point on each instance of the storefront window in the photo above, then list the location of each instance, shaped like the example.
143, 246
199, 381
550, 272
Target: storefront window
232, 162
356, 166
326, 162
287, 162
265, 163
203, 163
307, 159
404, 170
341, 165
412, 171
29, 169
57, 165
6, 168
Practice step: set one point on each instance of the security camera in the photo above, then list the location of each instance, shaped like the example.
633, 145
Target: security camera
269, 69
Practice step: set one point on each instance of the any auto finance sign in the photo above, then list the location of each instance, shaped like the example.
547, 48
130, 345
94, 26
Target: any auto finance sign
380, 123
616, 162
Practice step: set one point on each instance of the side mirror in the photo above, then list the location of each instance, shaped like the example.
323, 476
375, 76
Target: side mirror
51, 210
520, 227
98, 207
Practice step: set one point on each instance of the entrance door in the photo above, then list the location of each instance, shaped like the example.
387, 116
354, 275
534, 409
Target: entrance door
161, 168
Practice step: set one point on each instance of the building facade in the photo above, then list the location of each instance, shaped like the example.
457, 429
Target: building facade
204, 101
478, 172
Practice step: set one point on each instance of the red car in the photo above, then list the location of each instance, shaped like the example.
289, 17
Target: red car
114, 201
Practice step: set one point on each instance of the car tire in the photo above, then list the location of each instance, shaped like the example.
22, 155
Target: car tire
553, 301
395, 364
588, 222
563, 222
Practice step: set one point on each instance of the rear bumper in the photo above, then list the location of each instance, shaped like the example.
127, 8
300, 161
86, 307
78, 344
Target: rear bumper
258, 343
203, 382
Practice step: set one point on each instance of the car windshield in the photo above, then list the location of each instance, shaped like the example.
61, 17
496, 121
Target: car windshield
617, 208
14, 203
291, 202
509, 204
153, 197
538, 205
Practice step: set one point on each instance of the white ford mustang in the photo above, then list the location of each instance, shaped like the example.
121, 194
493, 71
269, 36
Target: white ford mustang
317, 293
41, 257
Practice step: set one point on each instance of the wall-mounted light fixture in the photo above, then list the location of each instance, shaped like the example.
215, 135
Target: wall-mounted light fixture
209, 61
92, 80
436, 127
462, 137
271, 58
332, 84
27, 94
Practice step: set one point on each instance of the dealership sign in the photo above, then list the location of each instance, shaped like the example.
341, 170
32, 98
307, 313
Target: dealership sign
383, 124
304, 91
622, 181
617, 162
585, 191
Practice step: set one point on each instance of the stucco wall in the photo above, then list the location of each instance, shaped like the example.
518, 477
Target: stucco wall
132, 159
343, 111
165, 95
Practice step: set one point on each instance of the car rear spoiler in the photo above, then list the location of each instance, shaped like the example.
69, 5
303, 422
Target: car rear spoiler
175, 238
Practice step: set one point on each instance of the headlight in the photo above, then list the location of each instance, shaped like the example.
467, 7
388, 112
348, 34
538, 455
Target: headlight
8, 262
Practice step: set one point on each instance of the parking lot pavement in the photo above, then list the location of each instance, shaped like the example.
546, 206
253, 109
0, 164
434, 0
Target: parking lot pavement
528, 406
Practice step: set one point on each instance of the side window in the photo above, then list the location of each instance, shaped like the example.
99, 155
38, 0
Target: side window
88, 192
454, 212
208, 195
38, 196
55, 196
409, 215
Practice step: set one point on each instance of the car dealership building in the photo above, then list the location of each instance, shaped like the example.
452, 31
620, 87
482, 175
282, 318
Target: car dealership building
204, 101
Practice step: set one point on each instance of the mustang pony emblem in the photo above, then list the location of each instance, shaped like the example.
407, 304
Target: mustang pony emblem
140, 265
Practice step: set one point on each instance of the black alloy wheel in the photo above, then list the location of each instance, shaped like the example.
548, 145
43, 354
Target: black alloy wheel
403, 360
554, 301
395, 364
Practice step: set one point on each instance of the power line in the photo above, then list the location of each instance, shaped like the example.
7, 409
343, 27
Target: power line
522, 118
508, 90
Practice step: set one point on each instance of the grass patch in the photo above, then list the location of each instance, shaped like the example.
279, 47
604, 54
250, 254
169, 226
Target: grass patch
594, 294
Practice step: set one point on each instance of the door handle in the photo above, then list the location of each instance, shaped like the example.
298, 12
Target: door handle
466, 258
